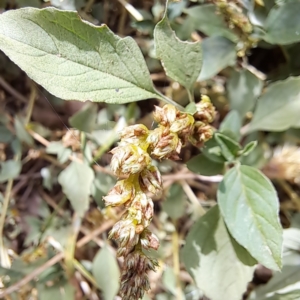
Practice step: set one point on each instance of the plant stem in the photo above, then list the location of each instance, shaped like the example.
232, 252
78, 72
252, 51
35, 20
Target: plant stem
103, 148
194, 200
85, 273
71, 244
191, 95
30, 104
5, 261
176, 265
12, 91
291, 193
169, 101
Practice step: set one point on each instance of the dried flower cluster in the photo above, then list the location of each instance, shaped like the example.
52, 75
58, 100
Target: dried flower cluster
284, 164
238, 21
132, 160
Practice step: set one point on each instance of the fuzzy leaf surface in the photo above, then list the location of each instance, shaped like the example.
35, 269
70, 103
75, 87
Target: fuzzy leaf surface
74, 59
182, 61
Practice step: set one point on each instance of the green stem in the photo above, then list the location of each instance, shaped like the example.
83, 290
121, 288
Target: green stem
191, 95
176, 264
83, 146
291, 193
84, 272
71, 244
169, 101
30, 104
5, 262
102, 149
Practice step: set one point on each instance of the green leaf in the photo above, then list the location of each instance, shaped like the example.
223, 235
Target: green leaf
5, 135
58, 148
249, 205
287, 279
73, 59
85, 119
31, 3
191, 108
212, 260
57, 291
9, 169
243, 89
175, 203
100, 187
218, 53
169, 280
201, 164
231, 125
213, 151
209, 22
248, 148
21, 132
294, 295
257, 158
229, 147
106, 272
283, 24
182, 61
76, 180
278, 108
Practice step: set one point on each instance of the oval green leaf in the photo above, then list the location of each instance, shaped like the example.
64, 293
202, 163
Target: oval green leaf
73, 59
243, 89
229, 147
182, 61
283, 24
175, 202
231, 125
106, 272
76, 180
214, 261
201, 164
218, 53
249, 205
9, 169
278, 108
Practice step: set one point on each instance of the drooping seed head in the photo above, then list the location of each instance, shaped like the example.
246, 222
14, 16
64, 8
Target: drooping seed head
168, 144
166, 115
149, 240
150, 180
129, 159
124, 233
134, 277
202, 132
121, 193
134, 134
205, 110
